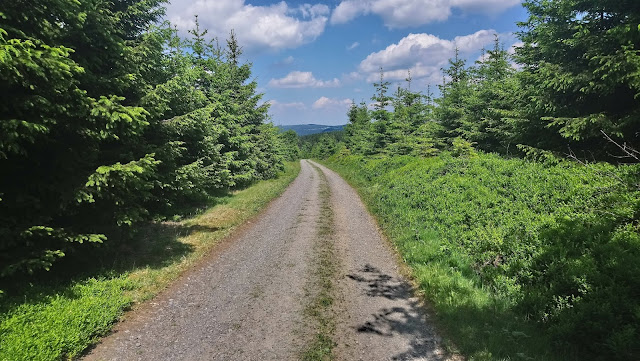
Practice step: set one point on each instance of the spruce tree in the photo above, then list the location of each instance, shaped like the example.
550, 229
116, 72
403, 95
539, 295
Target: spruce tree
582, 70
70, 108
381, 116
451, 104
490, 105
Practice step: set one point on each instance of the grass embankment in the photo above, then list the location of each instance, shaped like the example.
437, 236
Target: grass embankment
521, 260
59, 318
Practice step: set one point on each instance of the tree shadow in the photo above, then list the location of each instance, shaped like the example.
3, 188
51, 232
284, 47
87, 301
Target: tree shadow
379, 284
185, 208
586, 285
410, 319
153, 245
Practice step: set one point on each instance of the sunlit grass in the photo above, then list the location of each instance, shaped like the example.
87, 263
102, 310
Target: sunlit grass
478, 236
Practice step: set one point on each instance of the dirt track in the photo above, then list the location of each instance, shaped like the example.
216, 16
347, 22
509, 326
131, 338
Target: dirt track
247, 301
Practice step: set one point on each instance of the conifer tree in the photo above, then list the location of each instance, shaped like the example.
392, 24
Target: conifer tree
582, 70
358, 132
451, 104
381, 116
63, 122
407, 129
490, 105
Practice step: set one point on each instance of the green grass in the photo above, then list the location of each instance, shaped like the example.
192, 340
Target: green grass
59, 316
520, 260
320, 287
51, 326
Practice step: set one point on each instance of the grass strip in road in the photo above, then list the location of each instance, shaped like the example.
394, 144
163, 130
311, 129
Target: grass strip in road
59, 320
320, 287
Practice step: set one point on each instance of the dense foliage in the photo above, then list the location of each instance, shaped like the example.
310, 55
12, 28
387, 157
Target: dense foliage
321, 145
582, 69
109, 119
290, 146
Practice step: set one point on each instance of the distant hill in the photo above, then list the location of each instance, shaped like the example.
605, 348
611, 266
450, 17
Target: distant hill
306, 129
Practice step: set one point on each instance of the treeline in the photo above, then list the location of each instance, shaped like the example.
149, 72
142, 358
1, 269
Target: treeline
554, 240
321, 145
109, 118
572, 87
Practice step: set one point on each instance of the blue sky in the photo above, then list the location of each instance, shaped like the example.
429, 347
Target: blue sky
311, 59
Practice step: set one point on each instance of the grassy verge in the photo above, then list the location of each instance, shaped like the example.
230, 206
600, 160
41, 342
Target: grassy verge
520, 260
59, 319
320, 286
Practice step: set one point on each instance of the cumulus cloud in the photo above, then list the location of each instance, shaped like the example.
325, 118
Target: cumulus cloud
312, 11
422, 54
353, 46
278, 105
302, 79
484, 6
405, 13
352, 76
274, 27
331, 103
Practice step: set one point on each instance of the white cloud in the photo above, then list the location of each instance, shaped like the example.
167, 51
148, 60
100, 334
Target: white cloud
353, 46
278, 108
284, 62
302, 79
352, 76
274, 27
312, 11
348, 10
512, 48
484, 6
331, 103
405, 13
277, 104
423, 55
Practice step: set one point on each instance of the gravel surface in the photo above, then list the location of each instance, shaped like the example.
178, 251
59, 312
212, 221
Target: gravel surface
246, 301
379, 319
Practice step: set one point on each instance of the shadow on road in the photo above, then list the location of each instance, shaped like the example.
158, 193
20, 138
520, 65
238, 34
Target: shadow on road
407, 318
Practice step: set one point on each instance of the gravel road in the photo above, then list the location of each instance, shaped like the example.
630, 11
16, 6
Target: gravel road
247, 300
